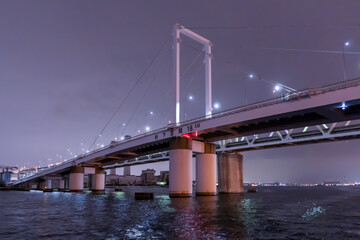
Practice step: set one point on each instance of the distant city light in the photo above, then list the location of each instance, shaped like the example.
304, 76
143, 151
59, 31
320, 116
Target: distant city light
139, 131
123, 124
277, 87
251, 75
347, 43
122, 138
147, 128
102, 145
151, 113
191, 97
216, 105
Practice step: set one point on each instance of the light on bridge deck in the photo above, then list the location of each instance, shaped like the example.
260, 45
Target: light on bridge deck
343, 106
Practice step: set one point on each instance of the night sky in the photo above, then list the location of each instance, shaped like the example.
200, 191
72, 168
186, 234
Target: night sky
65, 66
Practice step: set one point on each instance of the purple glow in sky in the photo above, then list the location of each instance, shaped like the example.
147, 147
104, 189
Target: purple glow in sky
66, 65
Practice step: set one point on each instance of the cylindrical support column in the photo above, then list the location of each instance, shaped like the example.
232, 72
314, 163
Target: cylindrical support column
32, 185
76, 179
66, 182
127, 171
98, 180
61, 183
206, 171
180, 169
230, 173
47, 184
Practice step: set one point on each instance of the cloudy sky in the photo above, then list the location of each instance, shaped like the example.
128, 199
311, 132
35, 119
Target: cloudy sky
65, 66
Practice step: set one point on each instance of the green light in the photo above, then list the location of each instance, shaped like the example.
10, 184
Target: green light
161, 183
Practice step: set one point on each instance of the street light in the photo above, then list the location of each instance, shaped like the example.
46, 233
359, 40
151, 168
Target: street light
346, 44
277, 88
251, 76
146, 115
118, 130
188, 99
343, 106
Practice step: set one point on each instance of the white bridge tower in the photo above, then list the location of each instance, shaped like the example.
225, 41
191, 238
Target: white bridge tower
207, 51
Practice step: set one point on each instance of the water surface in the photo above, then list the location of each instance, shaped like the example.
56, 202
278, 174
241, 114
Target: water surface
272, 213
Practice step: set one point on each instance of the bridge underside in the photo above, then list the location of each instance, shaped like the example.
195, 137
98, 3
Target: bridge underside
320, 115
132, 153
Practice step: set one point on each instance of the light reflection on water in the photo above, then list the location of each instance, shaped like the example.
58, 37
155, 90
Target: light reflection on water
164, 203
312, 212
282, 212
247, 214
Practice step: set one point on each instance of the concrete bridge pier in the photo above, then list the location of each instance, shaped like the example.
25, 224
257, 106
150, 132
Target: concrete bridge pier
206, 171
230, 173
61, 184
48, 184
76, 179
33, 185
98, 180
127, 171
180, 167
113, 171
53, 182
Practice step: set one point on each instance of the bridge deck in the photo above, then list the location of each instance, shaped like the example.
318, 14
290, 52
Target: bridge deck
294, 110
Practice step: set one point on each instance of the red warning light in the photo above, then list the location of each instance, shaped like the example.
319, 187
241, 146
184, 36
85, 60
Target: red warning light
187, 135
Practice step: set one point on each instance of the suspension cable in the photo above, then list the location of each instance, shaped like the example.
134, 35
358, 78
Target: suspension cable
131, 90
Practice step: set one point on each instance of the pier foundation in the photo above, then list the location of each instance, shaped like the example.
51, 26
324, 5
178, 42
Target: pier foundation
98, 180
230, 173
61, 183
47, 184
76, 179
206, 171
180, 169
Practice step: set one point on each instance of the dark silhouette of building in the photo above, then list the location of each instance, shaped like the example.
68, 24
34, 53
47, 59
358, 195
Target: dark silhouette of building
164, 177
148, 176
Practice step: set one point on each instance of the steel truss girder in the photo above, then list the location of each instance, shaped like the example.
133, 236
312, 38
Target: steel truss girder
296, 136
